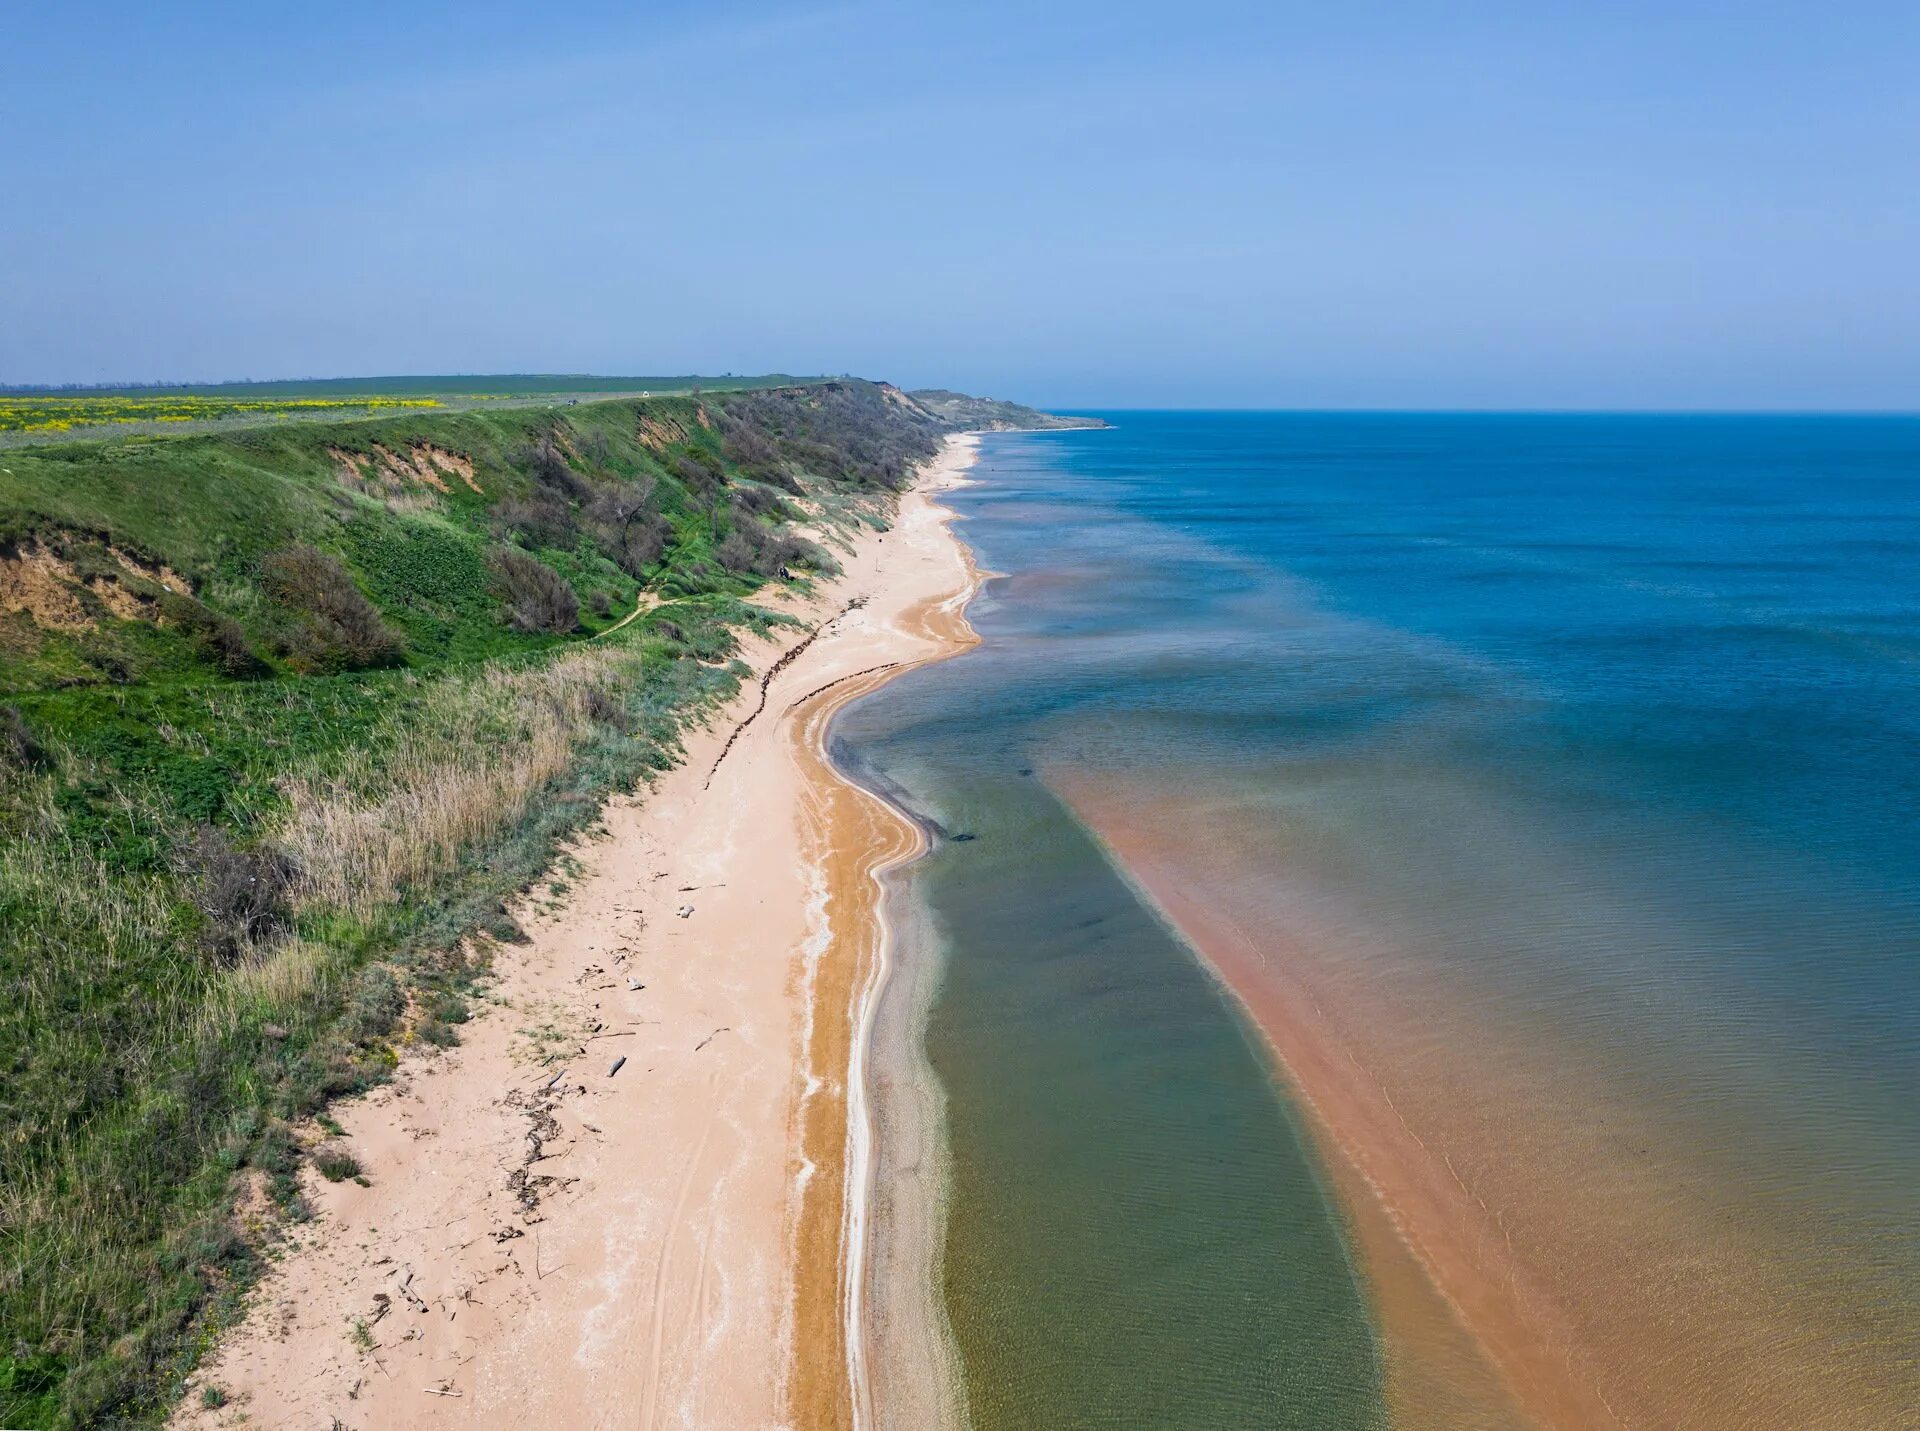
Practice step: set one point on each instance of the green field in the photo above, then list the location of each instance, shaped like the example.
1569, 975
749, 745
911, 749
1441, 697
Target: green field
417, 385
34, 415
288, 714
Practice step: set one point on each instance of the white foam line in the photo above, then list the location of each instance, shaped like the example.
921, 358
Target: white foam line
860, 1129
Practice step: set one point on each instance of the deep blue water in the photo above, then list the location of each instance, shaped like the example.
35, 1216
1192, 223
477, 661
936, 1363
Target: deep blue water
1584, 750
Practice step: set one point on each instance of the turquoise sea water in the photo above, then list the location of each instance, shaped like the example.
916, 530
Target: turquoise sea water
1570, 766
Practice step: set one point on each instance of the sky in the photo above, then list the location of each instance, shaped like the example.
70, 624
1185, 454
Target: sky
1487, 205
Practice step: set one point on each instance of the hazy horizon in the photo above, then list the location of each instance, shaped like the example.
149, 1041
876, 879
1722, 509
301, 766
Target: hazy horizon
1355, 410
1672, 208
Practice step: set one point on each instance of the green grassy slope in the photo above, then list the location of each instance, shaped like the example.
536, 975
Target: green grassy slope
285, 715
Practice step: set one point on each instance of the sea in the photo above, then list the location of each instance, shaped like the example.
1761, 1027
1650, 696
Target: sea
1422, 925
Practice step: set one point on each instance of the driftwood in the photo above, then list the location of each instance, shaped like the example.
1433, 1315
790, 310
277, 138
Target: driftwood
842, 680
766, 680
711, 1037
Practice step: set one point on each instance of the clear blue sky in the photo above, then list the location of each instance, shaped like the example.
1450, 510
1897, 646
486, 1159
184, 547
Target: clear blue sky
1482, 204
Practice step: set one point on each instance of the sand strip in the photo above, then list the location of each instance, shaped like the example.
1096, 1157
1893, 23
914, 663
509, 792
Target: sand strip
545, 1240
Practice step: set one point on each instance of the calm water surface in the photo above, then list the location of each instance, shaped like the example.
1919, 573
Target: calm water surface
1569, 766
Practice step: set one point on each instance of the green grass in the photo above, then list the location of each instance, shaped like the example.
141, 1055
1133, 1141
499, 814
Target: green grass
53, 415
224, 901
451, 384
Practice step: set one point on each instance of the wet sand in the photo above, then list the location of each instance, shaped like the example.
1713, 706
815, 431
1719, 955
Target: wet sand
547, 1241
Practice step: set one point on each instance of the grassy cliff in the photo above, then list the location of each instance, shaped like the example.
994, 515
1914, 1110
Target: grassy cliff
994, 414
287, 714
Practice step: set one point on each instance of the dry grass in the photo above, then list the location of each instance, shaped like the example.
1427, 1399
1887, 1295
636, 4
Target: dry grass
366, 832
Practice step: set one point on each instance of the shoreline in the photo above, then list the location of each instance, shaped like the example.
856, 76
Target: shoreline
863, 839
943, 621
548, 1236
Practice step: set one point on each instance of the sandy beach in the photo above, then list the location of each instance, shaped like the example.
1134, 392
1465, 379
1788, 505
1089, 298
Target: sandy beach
636, 1193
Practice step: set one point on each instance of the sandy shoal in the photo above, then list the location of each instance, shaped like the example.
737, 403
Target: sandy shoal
1537, 1248
666, 1245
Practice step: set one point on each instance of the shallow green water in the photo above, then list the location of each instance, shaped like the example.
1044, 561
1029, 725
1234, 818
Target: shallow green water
1135, 1234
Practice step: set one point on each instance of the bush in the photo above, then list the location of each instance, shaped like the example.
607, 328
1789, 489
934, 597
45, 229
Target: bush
640, 546
439, 1033
550, 469
242, 893
17, 744
750, 547
758, 502
699, 471
339, 630
750, 450
783, 549
334, 1163
543, 518
601, 706
536, 596
220, 638
630, 529
375, 1005
735, 552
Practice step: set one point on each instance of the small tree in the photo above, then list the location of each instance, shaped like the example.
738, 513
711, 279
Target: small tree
537, 598
338, 628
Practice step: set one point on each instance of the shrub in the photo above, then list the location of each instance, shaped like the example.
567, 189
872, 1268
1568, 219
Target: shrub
735, 552
641, 545
242, 893
439, 1033
220, 638
550, 469
536, 596
17, 744
543, 518
751, 547
630, 529
335, 1163
784, 549
749, 449
375, 1004
758, 502
339, 629
700, 471
601, 706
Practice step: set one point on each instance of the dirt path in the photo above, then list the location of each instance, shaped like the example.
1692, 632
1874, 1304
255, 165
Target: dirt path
643, 603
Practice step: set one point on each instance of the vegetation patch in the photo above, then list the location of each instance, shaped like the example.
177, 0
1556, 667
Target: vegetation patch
335, 1163
292, 716
61, 412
